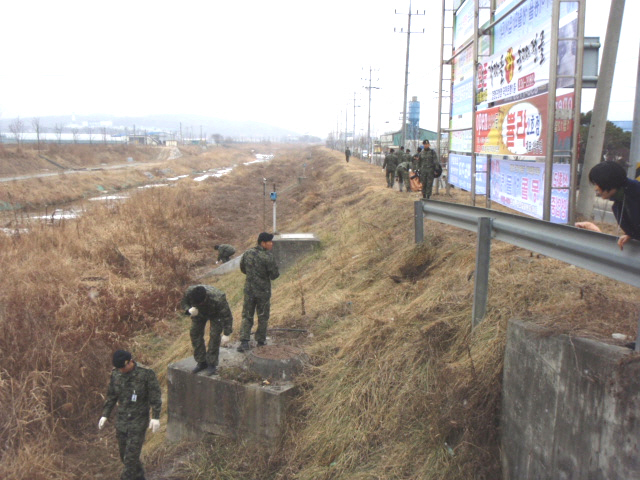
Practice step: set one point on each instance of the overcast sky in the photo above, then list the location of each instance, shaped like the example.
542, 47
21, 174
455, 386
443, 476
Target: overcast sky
295, 64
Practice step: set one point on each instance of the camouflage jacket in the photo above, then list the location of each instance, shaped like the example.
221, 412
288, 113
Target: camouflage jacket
427, 161
214, 308
260, 267
225, 250
390, 162
135, 393
403, 166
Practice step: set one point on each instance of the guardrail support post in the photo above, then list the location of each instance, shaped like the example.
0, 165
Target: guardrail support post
481, 285
418, 216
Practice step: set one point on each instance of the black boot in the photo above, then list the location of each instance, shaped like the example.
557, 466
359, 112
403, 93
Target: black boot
244, 346
199, 367
211, 370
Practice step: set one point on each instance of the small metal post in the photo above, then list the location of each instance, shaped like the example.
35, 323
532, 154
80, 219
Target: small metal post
481, 284
418, 221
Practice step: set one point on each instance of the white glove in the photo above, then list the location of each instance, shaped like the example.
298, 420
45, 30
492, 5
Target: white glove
224, 340
193, 311
154, 425
101, 423
217, 262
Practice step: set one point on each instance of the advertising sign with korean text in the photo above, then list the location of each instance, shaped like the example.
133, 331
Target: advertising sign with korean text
520, 71
523, 22
520, 185
463, 24
459, 171
513, 128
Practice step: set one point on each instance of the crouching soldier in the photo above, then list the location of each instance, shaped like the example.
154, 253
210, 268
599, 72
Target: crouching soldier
225, 252
205, 303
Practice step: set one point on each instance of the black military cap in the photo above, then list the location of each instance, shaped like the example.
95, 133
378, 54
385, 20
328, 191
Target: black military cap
265, 237
120, 358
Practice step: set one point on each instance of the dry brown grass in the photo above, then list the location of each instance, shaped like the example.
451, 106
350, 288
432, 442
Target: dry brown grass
399, 386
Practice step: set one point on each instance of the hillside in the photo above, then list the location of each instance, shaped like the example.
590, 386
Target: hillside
399, 385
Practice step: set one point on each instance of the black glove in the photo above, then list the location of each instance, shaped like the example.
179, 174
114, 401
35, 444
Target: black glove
186, 312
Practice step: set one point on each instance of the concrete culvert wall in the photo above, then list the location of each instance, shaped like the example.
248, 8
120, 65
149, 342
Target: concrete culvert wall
570, 407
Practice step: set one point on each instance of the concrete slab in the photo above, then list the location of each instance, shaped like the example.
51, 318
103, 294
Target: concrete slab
199, 405
289, 247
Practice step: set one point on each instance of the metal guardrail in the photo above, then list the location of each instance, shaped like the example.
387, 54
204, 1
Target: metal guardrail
593, 251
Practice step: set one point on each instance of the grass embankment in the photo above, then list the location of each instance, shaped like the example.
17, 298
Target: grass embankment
75, 172
398, 387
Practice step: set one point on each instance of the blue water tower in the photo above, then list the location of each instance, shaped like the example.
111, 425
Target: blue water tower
414, 119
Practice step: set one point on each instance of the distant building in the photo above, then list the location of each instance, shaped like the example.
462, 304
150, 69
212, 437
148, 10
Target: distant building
393, 139
143, 140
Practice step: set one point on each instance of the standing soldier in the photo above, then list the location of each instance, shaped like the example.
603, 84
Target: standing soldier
389, 166
225, 252
347, 154
205, 303
428, 161
260, 267
136, 390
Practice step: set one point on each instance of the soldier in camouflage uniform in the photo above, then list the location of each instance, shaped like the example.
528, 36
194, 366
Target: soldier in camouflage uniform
225, 252
205, 303
136, 390
260, 267
428, 160
389, 166
402, 172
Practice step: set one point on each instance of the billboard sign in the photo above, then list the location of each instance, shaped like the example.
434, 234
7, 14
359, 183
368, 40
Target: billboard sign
513, 128
461, 140
520, 185
463, 24
459, 171
520, 71
530, 17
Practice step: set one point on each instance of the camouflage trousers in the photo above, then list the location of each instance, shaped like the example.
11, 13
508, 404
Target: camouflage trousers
403, 178
390, 178
200, 353
251, 305
427, 183
130, 446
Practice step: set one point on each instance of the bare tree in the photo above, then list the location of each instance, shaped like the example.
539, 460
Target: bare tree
90, 132
104, 135
35, 122
74, 132
58, 129
17, 129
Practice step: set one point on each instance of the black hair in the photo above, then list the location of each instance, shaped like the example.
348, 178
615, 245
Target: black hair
608, 175
215, 247
198, 294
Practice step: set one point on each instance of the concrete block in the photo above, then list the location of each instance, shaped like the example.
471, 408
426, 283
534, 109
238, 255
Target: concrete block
570, 407
277, 362
289, 247
200, 405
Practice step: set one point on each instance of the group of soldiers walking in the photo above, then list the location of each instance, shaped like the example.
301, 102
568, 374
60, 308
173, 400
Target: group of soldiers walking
403, 166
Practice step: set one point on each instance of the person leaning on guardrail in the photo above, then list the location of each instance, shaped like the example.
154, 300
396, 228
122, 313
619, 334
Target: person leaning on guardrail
611, 183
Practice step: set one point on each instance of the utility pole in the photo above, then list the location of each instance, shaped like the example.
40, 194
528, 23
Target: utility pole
595, 139
346, 127
369, 147
354, 122
406, 73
